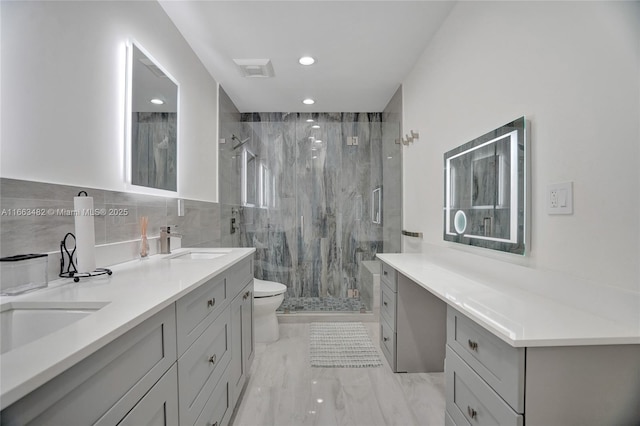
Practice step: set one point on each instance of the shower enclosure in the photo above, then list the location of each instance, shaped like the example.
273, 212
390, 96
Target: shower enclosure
313, 203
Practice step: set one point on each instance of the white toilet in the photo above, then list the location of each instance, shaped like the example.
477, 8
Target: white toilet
267, 296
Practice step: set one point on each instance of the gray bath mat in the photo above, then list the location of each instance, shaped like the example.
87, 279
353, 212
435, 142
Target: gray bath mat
341, 344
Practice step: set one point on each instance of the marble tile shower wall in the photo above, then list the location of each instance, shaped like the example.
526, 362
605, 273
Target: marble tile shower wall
32, 233
318, 226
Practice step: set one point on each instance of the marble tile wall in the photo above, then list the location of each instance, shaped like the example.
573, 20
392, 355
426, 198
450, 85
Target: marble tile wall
30, 233
318, 227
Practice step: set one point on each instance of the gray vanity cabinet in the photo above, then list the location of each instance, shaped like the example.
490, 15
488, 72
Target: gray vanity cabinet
489, 382
186, 365
242, 339
412, 325
103, 388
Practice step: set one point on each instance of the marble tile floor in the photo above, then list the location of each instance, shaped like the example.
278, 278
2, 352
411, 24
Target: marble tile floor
283, 389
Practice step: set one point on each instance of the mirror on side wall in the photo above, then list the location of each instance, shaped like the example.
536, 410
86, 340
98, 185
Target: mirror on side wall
485, 190
153, 115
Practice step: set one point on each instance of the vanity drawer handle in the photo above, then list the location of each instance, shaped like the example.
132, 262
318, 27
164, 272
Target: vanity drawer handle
471, 412
212, 359
246, 295
211, 302
385, 273
385, 303
385, 339
473, 345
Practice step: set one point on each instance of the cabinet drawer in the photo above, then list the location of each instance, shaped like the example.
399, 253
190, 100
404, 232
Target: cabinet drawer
197, 310
104, 387
470, 401
201, 367
389, 277
388, 306
498, 363
388, 343
218, 409
159, 406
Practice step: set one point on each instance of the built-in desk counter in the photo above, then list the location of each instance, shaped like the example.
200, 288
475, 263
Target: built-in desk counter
515, 356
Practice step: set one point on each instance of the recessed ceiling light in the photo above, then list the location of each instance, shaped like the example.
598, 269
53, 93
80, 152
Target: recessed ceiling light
157, 101
315, 126
318, 141
308, 101
315, 156
310, 120
306, 60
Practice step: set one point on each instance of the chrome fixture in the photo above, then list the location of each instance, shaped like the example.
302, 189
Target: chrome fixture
412, 234
240, 142
165, 239
408, 138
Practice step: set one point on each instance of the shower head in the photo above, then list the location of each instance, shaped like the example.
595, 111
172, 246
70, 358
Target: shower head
240, 143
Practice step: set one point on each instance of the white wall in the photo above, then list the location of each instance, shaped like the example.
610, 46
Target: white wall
63, 94
573, 69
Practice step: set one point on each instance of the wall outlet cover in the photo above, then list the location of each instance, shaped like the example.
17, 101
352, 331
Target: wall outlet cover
560, 198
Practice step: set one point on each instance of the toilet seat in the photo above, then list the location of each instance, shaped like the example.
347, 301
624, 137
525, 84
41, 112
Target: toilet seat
262, 288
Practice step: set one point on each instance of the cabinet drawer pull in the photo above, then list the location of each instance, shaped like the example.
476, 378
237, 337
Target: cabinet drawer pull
212, 359
385, 303
211, 302
473, 345
212, 424
385, 338
246, 295
471, 412
385, 273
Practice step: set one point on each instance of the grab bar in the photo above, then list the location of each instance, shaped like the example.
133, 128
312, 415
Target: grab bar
412, 234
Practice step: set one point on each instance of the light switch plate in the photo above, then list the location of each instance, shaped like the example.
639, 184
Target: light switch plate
560, 198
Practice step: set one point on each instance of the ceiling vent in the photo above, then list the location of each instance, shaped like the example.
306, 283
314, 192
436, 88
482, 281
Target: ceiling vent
252, 68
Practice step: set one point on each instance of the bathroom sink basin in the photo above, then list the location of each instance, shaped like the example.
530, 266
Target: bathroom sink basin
199, 255
25, 322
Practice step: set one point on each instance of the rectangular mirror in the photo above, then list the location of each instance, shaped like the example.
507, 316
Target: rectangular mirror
154, 123
485, 190
249, 178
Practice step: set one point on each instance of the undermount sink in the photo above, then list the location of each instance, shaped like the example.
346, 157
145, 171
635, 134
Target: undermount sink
25, 322
199, 255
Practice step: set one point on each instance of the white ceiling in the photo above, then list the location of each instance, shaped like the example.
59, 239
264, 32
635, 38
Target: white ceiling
364, 49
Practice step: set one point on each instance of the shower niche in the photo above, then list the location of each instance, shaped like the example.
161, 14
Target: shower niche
485, 196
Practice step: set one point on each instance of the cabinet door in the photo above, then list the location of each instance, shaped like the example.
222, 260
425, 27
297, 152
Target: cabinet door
248, 339
158, 407
242, 340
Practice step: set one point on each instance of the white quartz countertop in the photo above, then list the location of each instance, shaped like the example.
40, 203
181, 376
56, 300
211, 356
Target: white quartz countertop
522, 317
136, 291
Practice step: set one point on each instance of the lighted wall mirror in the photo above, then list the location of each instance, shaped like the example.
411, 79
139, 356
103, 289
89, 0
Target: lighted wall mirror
153, 123
249, 178
485, 195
